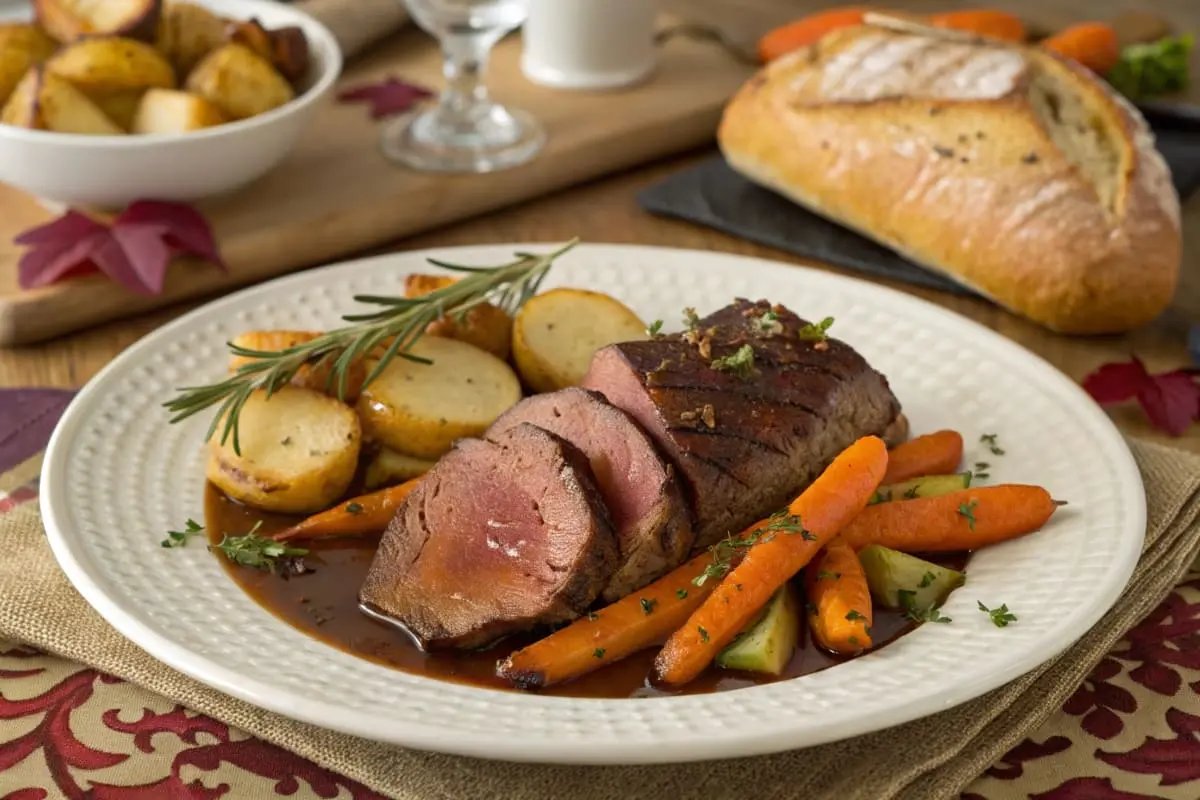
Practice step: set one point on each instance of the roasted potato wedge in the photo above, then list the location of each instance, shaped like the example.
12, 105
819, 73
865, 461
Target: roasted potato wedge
69, 20
299, 452
309, 376
421, 409
114, 72
21, 47
556, 333
486, 326
173, 111
286, 49
188, 33
388, 468
240, 82
46, 102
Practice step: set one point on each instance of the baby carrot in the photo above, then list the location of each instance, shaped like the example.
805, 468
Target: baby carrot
781, 548
369, 513
984, 22
932, 454
965, 520
633, 623
1092, 44
806, 30
839, 599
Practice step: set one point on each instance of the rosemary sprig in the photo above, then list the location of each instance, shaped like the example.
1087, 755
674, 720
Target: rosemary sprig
401, 319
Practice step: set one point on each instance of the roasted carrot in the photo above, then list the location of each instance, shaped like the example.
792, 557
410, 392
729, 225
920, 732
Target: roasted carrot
984, 22
806, 30
782, 548
965, 520
1093, 44
368, 513
932, 454
636, 621
839, 600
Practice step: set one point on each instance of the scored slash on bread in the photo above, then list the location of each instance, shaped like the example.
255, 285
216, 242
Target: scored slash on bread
1011, 170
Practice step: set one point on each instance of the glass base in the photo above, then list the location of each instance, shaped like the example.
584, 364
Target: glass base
492, 138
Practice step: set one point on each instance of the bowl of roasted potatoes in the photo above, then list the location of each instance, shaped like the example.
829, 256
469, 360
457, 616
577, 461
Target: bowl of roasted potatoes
103, 102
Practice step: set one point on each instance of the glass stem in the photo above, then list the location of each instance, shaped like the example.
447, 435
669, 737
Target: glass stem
464, 65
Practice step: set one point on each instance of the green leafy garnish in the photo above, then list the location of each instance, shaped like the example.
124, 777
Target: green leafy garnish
354, 508
703, 633
252, 550
598, 652
990, 440
908, 604
783, 522
740, 363
816, 331
690, 319
968, 510
1000, 616
648, 605
926, 580
682, 593
767, 325
853, 615
180, 538
1153, 68
823, 574
654, 328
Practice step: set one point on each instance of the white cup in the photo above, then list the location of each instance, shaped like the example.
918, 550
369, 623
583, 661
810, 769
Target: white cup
589, 44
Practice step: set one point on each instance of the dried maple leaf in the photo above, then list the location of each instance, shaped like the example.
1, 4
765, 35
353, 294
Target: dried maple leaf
134, 249
390, 96
1171, 400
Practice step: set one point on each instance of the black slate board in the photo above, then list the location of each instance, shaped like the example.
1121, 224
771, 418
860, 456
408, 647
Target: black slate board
715, 196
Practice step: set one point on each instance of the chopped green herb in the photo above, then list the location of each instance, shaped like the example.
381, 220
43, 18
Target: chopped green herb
724, 550
823, 574
853, 615
703, 633
990, 440
816, 331
287, 441
682, 593
926, 580
180, 538
1152, 68
740, 363
1000, 616
911, 494
878, 497
853, 640
690, 319
930, 614
354, 508
648, 605
654, 328
968, 510
784, 522
598, 652
252, 550
982, 466
768, 324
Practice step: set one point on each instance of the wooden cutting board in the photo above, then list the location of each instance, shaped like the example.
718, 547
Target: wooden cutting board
336, 195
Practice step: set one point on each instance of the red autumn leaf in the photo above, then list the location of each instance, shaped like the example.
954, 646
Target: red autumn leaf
388, 97
1171, 400
134, 250
1176, 761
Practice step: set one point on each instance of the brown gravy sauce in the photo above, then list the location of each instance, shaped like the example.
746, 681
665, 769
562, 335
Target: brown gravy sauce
324, 604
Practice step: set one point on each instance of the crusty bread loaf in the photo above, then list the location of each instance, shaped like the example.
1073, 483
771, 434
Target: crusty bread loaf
1010, 170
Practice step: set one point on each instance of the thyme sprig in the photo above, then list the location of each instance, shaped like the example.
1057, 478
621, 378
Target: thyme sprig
402, 320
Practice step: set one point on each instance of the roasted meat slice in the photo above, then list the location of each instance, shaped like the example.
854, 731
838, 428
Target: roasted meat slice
749, 410
652, 521
503, 535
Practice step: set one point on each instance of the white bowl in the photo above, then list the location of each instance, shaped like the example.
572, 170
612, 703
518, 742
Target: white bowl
113, 171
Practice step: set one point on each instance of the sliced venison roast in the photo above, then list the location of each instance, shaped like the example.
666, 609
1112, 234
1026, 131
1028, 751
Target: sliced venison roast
747, 435
652, 521
502, 535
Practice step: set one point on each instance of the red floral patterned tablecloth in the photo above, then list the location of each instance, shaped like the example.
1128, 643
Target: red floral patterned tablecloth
1130, 732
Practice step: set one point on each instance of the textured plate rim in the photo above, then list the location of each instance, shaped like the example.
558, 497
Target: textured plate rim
694, 746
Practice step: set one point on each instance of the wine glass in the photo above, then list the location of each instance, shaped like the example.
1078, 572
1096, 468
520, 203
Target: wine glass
466, 131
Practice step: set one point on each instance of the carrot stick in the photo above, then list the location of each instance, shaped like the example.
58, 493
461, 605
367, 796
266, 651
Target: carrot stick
965, 520
1093, 44
984, 22
932, 454
803, 32
823, 509
369, 513
839, 600
634, 622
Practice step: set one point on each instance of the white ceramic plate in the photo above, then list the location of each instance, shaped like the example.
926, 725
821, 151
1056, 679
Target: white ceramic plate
117, 476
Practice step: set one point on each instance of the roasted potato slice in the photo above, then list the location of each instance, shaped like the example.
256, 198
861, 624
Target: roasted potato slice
46, 102
240, 82
21, 47
299, 452
173, 111
114, 72
556, 333
286, 49
421, 409
69, 20
388, 468
188, 33
486, 326
309, 376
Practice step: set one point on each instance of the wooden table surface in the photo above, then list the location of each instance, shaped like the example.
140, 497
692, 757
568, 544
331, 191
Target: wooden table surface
606, 211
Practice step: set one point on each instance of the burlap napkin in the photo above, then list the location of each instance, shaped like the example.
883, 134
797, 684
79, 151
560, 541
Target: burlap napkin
928, 759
